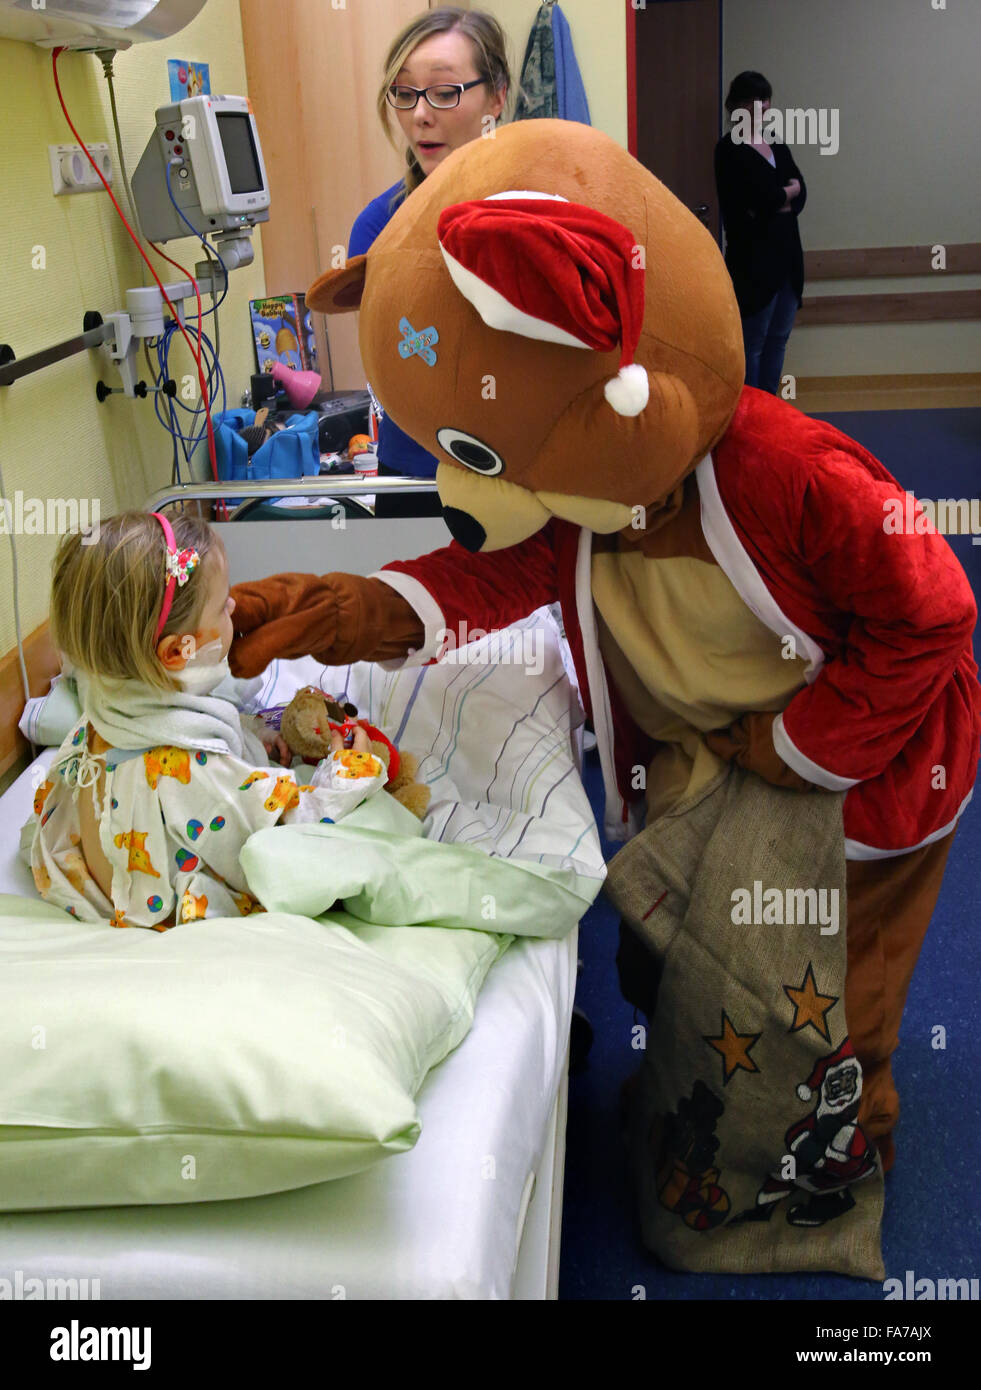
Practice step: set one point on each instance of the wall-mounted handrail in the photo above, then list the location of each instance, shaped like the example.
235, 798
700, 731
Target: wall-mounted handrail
861, 262
94, 334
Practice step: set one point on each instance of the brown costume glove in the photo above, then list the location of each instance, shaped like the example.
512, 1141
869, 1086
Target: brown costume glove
749, 742
335, 618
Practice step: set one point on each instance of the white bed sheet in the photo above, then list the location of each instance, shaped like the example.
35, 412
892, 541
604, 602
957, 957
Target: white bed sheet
443, 1221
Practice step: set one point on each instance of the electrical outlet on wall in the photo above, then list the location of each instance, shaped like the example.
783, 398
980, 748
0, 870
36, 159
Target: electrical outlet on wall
71, 172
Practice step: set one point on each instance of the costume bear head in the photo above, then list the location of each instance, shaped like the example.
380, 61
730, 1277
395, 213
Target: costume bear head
554, 326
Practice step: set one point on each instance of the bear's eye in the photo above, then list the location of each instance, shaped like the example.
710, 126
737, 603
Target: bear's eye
471, 452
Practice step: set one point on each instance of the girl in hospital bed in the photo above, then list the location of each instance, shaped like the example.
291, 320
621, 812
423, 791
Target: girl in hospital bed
152, 796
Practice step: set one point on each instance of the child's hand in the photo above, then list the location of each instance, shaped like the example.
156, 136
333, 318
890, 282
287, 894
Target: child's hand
277, 747
360, 744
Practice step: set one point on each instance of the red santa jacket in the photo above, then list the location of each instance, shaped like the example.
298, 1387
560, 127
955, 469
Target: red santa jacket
799, 517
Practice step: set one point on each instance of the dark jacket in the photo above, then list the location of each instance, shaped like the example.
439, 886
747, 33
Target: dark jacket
762, 244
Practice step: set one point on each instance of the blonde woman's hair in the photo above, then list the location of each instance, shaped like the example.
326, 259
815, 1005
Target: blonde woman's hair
490, 58
108, 591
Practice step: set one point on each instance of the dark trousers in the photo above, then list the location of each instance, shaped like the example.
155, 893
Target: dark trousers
409, 503
765, 335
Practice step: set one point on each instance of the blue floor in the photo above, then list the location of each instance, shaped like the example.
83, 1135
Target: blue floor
932, 1222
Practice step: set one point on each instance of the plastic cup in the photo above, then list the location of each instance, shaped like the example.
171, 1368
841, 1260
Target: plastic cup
366, 465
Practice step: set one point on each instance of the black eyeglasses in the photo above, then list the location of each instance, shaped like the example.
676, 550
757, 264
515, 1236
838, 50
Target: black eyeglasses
440, 98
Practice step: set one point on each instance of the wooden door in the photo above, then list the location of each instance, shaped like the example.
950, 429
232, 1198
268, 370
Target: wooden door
314, 68
674, 97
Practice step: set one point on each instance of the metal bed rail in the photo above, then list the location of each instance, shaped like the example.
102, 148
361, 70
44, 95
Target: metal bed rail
320, 485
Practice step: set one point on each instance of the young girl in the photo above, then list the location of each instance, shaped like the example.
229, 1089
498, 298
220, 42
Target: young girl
152, 796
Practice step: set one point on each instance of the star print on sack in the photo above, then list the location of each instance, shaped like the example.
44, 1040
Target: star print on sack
734, 1048
810, 1007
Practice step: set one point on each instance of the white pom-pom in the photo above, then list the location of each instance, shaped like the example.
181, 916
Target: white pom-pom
629, 391
804, 1092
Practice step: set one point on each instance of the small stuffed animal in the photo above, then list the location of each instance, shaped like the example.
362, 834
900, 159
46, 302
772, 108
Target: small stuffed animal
306, 727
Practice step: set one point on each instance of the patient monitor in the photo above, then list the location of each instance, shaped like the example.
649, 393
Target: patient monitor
204, 158
207, 149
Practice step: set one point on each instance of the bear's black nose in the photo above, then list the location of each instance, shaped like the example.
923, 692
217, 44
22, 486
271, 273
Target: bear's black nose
464, 528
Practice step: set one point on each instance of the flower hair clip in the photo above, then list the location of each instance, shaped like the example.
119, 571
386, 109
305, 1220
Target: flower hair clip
181, 566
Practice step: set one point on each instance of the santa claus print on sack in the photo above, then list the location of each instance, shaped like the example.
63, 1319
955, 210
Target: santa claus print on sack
826, 1151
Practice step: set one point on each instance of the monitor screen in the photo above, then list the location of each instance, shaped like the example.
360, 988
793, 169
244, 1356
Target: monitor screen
241, 160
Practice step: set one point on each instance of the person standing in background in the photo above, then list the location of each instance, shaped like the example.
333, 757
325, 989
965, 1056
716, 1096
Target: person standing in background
446, 73
761, 193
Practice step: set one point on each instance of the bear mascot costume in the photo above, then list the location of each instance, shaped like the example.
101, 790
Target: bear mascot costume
767, 632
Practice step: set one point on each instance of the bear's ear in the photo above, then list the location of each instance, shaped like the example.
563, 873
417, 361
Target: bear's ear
339, 291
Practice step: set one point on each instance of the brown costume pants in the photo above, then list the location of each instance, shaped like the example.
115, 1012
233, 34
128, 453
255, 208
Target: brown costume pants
890, 903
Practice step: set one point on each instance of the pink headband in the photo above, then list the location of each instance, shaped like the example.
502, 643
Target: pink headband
180, 566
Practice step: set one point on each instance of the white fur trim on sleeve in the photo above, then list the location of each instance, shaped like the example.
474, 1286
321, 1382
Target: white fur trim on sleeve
803, 765
430, 614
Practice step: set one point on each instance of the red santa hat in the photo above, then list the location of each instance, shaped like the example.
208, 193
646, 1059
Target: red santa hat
807, 1090
536, 264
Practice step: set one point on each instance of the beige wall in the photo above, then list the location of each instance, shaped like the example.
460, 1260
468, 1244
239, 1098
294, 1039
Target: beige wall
55, 439
904, 78
599, 36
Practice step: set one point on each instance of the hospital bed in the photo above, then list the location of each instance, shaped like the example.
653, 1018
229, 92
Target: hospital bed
433, 1223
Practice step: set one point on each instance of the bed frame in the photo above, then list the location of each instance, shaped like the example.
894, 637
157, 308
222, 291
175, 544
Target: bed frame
537, 1273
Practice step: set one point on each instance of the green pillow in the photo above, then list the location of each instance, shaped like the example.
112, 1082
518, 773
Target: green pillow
224, 1058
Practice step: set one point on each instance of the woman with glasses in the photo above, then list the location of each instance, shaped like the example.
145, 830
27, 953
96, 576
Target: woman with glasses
446, 83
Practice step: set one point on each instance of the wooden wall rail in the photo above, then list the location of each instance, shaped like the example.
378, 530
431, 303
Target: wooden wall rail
928, 307
962, 258
871, 262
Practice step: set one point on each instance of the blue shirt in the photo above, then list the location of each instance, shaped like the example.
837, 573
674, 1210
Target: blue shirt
395, 449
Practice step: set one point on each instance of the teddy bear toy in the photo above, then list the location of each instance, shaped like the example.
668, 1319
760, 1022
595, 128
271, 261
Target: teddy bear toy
306, 726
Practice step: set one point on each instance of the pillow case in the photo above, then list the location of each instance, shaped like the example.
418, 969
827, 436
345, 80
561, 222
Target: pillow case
224, 1059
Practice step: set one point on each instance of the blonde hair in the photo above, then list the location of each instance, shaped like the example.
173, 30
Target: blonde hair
490, 59
108, 590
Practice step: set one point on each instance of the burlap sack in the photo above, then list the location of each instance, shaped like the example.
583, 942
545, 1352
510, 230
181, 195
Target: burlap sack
743, 1137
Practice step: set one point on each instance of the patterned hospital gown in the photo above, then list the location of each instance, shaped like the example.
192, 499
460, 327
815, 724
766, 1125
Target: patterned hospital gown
171, 825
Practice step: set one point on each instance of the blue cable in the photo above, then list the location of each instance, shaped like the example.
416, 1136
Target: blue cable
208, 352
215, 374
188, 442
213, 249
195, 439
